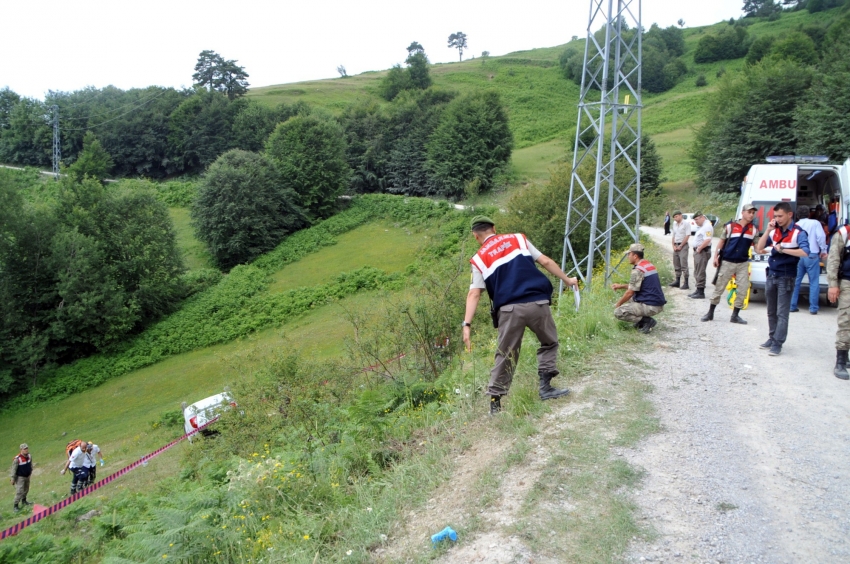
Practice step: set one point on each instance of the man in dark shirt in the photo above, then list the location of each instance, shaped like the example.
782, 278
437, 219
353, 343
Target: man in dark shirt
786, 243
20, 476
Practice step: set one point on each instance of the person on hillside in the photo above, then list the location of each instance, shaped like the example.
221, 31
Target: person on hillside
701, 244
79, 463
20, 476
94, 452
681, 234
667, 222
733, 250
787, 243
644, 298
810, 265
520, 295
838, 276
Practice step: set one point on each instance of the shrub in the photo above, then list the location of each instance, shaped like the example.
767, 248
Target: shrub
759, 49
729, 43
700, 81
797, 47
243, 209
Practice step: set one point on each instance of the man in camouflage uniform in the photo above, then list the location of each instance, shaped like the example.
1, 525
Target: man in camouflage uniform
644, 298
838, 275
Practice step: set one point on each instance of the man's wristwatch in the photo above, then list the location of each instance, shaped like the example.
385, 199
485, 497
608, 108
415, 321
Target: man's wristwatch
466, 324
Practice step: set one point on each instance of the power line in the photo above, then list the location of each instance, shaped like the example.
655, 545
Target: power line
118, 116
112, 111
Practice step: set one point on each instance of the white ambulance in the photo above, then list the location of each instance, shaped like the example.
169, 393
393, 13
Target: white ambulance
798, 180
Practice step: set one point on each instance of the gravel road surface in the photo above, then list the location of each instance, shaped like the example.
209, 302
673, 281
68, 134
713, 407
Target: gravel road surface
752, 463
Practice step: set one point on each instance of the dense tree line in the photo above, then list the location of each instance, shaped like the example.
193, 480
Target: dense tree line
792, 99
153, 132
82, 265
662, 63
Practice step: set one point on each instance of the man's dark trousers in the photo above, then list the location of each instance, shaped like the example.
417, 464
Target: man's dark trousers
777, 293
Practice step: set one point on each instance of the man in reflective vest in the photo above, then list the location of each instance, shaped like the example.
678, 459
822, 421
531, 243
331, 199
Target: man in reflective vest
644, 298
838, 275
21, 472
786, 243
520, 295
736, 239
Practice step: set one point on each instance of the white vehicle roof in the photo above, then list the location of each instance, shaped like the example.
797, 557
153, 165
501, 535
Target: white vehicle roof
206, 403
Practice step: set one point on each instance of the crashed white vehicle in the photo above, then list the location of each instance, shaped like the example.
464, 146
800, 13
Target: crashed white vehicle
798, 180
200, 413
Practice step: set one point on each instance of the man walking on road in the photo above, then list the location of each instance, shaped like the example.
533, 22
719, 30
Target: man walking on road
681, 234
21, 472
786, 243
838, 275
736, 239
810, 265
644, 298
520, 295
701, 244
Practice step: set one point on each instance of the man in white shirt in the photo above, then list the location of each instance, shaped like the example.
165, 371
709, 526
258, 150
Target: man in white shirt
93, 452
681, 234
810, 265
701, 244
79, 463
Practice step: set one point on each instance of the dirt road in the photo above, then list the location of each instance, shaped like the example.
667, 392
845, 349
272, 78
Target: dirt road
753, 464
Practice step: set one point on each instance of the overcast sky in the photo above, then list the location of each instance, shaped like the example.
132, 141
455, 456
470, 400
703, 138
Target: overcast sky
68, 45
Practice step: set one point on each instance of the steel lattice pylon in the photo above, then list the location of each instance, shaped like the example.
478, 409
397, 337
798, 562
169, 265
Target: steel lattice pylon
608, 133
57, 147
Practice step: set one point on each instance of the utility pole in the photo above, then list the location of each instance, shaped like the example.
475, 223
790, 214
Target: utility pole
57, 147
607, 129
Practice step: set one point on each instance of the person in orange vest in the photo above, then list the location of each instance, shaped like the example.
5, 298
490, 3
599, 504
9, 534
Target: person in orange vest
21, 472
506, 266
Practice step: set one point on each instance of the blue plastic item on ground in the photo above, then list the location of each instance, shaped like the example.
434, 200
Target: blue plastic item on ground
447, 533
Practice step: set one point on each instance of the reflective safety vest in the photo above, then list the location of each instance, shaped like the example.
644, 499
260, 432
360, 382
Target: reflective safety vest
24, 468
844, 273
781, 264
739, 239
509, 272
650, 292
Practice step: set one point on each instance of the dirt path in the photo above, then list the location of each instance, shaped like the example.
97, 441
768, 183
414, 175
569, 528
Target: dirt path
754, 460
750, 466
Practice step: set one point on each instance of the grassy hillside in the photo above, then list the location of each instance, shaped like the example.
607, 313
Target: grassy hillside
542, 104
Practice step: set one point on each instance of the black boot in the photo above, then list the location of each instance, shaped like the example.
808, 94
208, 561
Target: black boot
735, 318
710, 315
841, 365
685, 285
17, 509
495, 405
698, 295
647, 323
546, 389
676, 283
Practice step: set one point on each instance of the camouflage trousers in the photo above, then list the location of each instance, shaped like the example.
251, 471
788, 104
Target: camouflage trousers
22, 488
633, 311
842, 336
742, 277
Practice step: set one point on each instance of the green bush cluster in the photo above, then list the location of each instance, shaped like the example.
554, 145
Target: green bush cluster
238, 304
662, 63
729, 43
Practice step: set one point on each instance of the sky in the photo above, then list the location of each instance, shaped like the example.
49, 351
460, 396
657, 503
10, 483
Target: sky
68, 45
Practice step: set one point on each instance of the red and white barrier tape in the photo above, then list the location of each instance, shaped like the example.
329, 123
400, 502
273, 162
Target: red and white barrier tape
35, 518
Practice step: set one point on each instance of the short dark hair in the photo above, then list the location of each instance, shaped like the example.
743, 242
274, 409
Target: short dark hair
483, 228
638, 253
783, 206
803, 212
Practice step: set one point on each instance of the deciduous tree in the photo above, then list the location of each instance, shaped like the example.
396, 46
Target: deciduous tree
212, 71
243, 209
